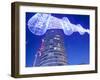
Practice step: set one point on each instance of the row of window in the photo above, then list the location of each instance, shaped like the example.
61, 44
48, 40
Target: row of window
50, 54
52, 41
53, 57
54, 49
53, 64
57, 60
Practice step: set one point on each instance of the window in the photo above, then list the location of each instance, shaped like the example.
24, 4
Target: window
56, 38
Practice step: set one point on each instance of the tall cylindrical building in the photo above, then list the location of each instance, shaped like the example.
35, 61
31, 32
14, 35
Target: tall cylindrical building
52, 51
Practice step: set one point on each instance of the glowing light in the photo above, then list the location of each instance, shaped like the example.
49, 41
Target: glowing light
41, 22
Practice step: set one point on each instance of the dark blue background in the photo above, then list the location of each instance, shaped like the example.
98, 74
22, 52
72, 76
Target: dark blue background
76, 45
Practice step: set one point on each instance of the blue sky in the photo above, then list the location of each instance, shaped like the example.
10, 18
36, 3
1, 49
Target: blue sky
76, 45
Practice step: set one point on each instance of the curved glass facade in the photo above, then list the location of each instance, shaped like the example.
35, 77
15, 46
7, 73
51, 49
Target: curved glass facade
53, 52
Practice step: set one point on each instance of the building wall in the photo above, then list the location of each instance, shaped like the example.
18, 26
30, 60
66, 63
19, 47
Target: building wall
53, 52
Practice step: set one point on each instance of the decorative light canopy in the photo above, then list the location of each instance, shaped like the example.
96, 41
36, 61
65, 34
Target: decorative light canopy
41, 22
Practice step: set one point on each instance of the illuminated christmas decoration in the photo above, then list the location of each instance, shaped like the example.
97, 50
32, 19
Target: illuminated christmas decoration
40, 23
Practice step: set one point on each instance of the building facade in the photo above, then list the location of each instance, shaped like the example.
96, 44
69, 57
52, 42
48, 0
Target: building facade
52, 52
